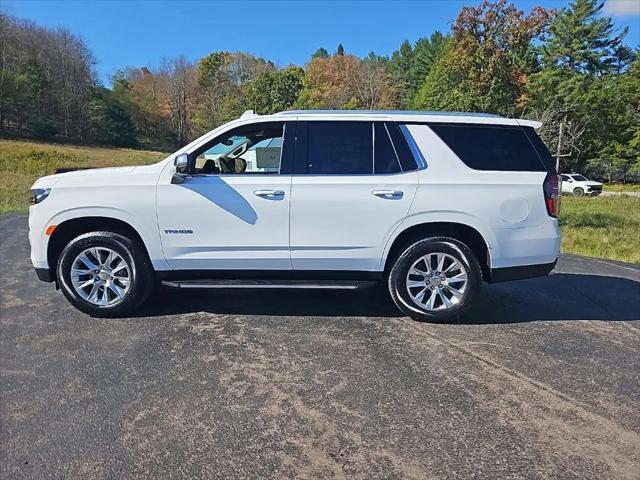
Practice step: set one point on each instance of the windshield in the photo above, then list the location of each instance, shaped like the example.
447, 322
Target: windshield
580, 178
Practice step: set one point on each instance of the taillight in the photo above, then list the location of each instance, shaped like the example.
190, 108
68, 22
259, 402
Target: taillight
551, 189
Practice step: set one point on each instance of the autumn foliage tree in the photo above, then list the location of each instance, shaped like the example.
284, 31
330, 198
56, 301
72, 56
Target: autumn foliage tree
343, 81
223, 78
486, 66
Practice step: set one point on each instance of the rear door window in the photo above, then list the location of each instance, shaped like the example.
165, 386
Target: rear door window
491, 148
336, 148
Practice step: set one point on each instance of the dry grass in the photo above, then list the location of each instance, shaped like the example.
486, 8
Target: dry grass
22, 162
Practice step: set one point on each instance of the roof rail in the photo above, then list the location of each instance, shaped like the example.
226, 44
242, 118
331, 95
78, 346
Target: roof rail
248, 113
388, 112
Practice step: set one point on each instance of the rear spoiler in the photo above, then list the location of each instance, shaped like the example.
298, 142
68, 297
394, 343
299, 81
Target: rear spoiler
529, 123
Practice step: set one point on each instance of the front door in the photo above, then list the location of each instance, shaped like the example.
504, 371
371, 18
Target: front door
233, 213
349, 192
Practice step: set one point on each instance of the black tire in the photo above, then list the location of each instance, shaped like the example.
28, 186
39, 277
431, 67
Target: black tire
578, 192
142, 281
399, 272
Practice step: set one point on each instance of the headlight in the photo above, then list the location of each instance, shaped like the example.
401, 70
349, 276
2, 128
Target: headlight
38, 195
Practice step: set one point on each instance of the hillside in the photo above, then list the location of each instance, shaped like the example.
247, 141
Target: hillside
22, 162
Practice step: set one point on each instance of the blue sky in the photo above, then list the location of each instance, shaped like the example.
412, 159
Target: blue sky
138, 33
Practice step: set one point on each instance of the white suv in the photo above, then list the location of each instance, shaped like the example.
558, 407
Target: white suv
430, 203
578, 185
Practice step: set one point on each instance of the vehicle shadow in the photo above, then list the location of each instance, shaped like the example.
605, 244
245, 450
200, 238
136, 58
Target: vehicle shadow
220, 193
557, 297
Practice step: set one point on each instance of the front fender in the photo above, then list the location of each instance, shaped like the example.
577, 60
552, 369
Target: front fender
141, 224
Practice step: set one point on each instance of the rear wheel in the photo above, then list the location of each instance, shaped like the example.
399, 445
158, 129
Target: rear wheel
105, 274
578, 192
435, 279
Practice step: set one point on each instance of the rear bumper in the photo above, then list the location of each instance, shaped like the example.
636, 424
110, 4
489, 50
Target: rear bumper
515, 247
507, 274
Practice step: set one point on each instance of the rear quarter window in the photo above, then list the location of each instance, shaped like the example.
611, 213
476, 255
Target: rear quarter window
492, 148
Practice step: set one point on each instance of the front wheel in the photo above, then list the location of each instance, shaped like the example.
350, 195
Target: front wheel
435, 279
578, 192
104, 274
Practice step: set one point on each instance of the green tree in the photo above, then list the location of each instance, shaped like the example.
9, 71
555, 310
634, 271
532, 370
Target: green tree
426, 53
272, 92
400, 67
618, 142
583, 62
410, 65
320, 53
109, 121
340, 50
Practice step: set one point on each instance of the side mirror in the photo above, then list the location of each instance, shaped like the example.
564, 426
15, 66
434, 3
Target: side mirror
182, 163
182, 168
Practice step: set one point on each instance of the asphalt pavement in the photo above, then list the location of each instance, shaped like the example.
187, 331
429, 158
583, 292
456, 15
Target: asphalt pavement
540, 380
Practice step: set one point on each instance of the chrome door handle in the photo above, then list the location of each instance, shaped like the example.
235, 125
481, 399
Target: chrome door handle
388, 193
269, 193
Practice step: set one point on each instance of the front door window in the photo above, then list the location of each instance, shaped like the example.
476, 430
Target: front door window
255, 148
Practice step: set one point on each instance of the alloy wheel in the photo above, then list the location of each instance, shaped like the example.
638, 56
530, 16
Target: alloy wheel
437, 281
101, 276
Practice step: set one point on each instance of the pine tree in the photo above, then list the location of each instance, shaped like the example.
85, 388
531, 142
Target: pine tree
320, 53
425, 54
583, 41
400, 67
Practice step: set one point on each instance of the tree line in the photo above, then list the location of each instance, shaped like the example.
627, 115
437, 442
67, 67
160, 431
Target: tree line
569, 68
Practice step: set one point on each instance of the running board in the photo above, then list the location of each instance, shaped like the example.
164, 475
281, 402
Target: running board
304, 284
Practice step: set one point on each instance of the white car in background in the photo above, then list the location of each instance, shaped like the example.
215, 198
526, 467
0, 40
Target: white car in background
578, 185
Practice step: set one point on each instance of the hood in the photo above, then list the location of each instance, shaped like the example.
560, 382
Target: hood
88, 174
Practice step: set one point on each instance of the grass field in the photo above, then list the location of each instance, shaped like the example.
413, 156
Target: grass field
22, 162
619, 187
605, 227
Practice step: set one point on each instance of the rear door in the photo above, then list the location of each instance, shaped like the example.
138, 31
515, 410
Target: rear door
348, 193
